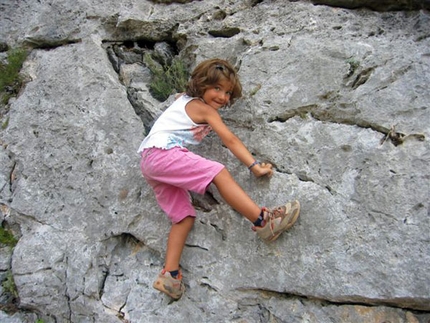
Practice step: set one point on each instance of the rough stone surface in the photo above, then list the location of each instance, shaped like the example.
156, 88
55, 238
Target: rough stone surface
381, 5
336, 99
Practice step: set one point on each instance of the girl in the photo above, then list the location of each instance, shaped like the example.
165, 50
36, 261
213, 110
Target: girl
173, 171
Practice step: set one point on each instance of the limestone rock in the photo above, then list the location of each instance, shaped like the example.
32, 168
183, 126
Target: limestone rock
335, 99
381, 5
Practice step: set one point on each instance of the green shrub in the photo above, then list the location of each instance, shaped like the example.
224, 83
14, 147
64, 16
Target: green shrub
353, 65
4, 124
7, 238
10, 80
166, 80
9, 285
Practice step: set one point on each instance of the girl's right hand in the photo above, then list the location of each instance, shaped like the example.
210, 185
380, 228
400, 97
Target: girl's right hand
263, 169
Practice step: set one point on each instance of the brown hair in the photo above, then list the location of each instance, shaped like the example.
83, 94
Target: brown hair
209, 73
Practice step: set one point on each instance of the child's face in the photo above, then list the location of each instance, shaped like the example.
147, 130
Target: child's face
218, 95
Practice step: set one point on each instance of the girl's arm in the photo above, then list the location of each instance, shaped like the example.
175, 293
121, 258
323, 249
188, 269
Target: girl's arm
200, 112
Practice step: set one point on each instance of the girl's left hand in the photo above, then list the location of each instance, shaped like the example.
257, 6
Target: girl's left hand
263, 169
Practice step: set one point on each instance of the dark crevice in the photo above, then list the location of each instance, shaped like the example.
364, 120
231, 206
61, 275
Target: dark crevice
380, 5
301, 112
67, 295
362, 78
397, 138
147, 116
12, 177
167, 2
347, 301
305, 178
105, 274
203, 202
148, 54
254, 3
325, 115
124, 243
121, 314
302, 177
329, 189
220, 231
48, 44
129, 44
145, 44
210, 287
196, 246
226, 32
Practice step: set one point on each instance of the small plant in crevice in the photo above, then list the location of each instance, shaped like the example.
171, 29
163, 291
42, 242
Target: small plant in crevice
9, 286
7, 238
10, 79
4, 124
9, 291
353, 65
166, 80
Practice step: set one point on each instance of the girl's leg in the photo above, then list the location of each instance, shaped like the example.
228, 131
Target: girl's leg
235, 196
176, 242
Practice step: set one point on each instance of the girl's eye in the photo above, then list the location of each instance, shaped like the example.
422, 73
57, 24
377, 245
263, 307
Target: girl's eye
217, 88
229, 93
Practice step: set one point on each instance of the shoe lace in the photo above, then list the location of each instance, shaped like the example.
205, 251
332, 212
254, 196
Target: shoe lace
269, 217
278, 212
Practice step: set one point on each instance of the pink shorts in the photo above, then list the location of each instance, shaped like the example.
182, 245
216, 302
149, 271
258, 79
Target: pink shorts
172, 174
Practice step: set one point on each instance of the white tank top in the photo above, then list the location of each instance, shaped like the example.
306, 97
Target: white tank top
174, 128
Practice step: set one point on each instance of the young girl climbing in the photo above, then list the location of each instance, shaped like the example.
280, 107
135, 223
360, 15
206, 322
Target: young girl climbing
172, 171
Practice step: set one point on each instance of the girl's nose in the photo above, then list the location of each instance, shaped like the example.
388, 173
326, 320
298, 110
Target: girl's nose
222, 95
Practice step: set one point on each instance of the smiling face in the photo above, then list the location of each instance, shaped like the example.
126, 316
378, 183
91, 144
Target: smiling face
218, 95
215, 76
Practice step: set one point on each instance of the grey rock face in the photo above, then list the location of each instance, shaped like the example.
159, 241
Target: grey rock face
335, 99
381, 5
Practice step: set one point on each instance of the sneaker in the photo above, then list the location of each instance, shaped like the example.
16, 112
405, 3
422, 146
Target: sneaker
278, 220
174, 287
